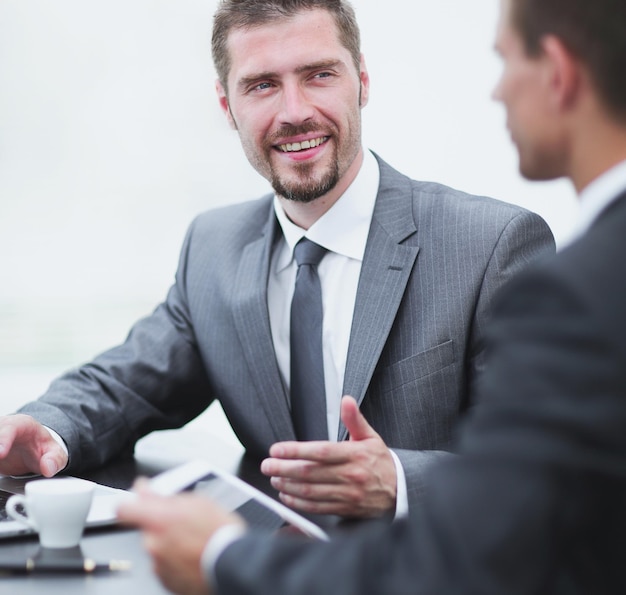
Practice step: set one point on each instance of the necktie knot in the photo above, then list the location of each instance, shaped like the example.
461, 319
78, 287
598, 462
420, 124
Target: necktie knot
308, 252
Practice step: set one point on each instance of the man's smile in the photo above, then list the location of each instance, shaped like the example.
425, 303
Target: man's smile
302, 146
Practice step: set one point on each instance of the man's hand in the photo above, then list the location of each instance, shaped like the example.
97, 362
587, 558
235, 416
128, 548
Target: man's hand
27, 447
176, 530
356, 478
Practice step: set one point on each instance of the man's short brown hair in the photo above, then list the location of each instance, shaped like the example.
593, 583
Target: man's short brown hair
593, 30
245, 14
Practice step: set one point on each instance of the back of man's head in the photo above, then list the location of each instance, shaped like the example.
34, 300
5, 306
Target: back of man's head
592, 30
247, 14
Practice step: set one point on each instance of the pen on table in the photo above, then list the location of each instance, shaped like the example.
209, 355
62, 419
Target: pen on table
80, 566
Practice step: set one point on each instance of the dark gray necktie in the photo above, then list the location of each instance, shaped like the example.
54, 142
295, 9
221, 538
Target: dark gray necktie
308, 394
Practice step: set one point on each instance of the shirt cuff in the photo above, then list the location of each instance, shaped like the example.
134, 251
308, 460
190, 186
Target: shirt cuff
402, 496
215, 547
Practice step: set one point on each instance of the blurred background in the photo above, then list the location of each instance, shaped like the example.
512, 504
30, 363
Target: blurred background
111, 141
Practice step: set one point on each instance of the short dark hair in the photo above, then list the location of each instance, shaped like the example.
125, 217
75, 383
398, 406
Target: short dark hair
593, 30
243, 14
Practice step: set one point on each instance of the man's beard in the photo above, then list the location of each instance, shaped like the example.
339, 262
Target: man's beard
306, 189
301, 186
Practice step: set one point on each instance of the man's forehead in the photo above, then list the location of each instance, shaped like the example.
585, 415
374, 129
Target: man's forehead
288, 45
504, 31
313, 21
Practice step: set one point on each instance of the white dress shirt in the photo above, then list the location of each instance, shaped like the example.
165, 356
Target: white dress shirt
343, 231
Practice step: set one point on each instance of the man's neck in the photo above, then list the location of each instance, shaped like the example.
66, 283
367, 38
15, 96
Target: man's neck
306, 214
603, 147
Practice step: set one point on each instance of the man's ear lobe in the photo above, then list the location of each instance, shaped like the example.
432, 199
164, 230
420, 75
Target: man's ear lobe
564, 71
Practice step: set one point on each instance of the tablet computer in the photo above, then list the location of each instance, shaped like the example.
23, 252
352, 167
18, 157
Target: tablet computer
233, 494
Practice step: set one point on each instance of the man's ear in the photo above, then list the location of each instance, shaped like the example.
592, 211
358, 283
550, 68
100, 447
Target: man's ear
564, 72
223, 101
365, 83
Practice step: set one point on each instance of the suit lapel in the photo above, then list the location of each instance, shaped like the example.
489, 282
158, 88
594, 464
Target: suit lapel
252, 322
386, 269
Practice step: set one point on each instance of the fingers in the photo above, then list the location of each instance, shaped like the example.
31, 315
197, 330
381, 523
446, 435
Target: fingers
142, 511
28, 447
175, 533
317, 492
321, 451
311, 462
148, 510
152, 512
7, 435
301, 470
342, 508
315, 481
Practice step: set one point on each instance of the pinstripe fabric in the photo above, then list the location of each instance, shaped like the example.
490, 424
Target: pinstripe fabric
435, 257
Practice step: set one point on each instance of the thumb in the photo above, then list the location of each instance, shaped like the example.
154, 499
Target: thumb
54, 456
353, 419
52, 462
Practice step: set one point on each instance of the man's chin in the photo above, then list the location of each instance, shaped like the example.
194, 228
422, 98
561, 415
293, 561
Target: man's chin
533, 173
305, 192
302, 196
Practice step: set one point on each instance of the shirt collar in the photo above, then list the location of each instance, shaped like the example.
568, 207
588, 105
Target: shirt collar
598, 195
344, 228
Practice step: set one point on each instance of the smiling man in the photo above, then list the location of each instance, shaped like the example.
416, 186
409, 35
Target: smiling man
350, 279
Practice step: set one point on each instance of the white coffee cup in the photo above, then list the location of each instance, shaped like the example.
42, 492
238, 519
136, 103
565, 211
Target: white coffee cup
56, 508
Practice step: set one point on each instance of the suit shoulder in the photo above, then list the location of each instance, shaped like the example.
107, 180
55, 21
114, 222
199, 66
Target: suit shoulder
478, 216
436, 197
434, 194
248, 217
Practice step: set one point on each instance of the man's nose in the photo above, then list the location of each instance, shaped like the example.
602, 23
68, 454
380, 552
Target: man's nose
296, 106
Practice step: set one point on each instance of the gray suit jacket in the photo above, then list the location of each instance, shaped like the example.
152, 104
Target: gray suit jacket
434, 259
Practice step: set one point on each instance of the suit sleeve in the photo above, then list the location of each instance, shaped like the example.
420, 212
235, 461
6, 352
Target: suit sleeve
154, 380
524, 239
534, 503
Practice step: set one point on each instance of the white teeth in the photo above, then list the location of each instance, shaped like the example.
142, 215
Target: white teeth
307, 144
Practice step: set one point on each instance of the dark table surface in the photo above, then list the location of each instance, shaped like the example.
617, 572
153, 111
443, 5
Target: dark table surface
99, 544
104, 543
121, 543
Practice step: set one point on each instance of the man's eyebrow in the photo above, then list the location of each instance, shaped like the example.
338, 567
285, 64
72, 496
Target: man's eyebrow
245, 81
260, 76
320, 65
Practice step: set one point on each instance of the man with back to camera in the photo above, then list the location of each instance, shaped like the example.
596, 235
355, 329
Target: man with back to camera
535, 501
405, 283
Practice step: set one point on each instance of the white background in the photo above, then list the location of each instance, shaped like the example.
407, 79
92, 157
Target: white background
111, 140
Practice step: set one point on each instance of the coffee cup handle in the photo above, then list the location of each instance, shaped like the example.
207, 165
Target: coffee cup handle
11, 507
